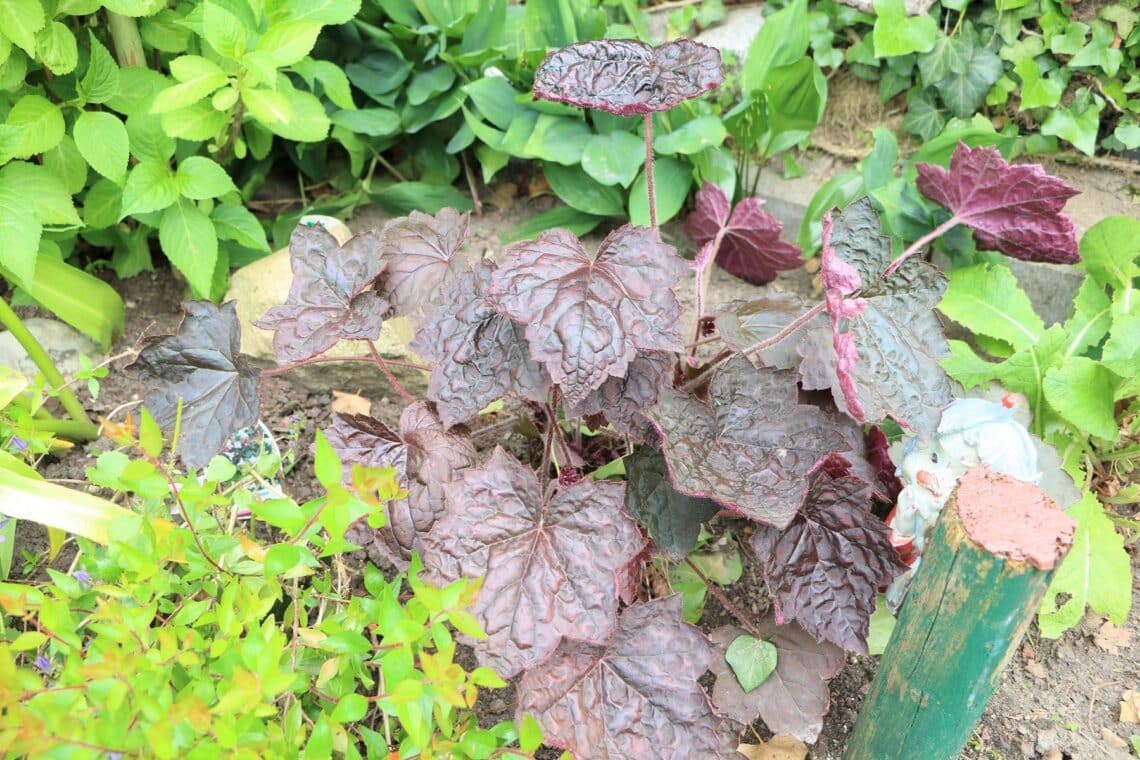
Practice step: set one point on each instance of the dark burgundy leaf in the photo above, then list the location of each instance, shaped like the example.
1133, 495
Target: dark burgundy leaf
627, 77
886, 337
743, 324
421, 252
620, 400
478, 355
202, 365
428, 458
551, 565
586, 317
634, 697
1013, 208
750, 245
752, 449
795, 697
331, 298
878, 454
672, 519
824, 569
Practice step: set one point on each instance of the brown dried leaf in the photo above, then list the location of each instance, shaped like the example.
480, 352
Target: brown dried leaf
1111, 638
349, 403
1130, 707
778, 748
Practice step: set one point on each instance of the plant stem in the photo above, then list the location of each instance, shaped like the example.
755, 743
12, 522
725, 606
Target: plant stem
281, 369
919, 244
44, 364
729, 607
701, 285
71, 429
126, 40
651, 195
388, 374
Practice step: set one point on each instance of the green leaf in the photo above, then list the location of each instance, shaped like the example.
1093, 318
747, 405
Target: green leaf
494, 98
672, 179
199, 178
350, 708
308, 121
224, 29
20, 229
326, 463
102, 204
331, 77
692, 137
1038, 91
151, 186
427, 84
374, 122
40, 125
613, 158
66, 163
561, 139
1024, 372
1099, 52
783, 39
325, 11
881, 627
402, 198
579, 190
281, 558
578, 222
149, 142
1091, 319
22, 20
795, 96
78, 298
1110, 251
1082, 391
530, 734
923, 119
136, 90
752, 660
715, 165
986, 299
150, 436
964, 91
198, 78
879, 167
102, 140
46, 192
1121, 352
235, 222
286, 42
56, 48
1078, 126
896, 33
198, 122
188, 239
1096, 572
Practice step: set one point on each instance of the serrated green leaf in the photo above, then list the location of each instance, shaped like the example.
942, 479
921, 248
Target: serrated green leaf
40, 125
966, 367
22, 20
66, 163
150, 186
986, 299
1110, 251
286, 42
613, 158
102, 204
198, 122
188, 239
752, 660
136, 91
149, 142
331, 77
897, 33
402, 198
200, 178
325, 11
308, 121
20, 229
1024, 372
1082, 391
225, 31
1121, 352
47, 193
237, 223
102, 139
1096, 573
57, 49
1092, 316
197, 77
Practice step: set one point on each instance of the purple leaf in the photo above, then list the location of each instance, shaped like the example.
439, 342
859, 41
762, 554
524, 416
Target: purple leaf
331, 298
478, 355
794, 699
824, 569
551, 564
879, 457
750, 246
742, 324
587, 316
752, 449
672, 519
201, 365
428, 458
627, 77
620, 400
1013, 208
421, 252
886, 337
633, 697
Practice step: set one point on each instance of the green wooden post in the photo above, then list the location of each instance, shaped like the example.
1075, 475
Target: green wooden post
983, 575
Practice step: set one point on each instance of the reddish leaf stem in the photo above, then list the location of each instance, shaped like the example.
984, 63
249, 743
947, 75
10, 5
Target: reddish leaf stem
281, 369
919, 244
701, 284
650, 194
729, 607
388, 374
548, 440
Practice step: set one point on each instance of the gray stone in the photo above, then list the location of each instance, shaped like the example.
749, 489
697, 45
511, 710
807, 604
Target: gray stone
265, 283
735, 34
913, 7
63, 343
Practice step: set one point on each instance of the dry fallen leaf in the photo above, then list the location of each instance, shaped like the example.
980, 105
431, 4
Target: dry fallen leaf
1036, 669
1053, 754
350, 403
1111, 638
1130, 707
778, 748
503, 195
1112, 739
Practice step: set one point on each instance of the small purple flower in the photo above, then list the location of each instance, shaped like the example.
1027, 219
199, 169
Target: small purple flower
114, 755
18, 443
83, 577
43, 664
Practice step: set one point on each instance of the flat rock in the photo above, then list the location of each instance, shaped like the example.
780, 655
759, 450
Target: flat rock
63, 343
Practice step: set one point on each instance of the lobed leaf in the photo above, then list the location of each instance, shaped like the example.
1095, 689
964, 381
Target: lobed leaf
634, 696
824, 568
742, 324
1015, 209
421, 252
620, 400
752, 448
627, 77
477, 354
587, 317
750, 244
202, 366
551, 562
332, 296
794, 699
673, 519
886, 337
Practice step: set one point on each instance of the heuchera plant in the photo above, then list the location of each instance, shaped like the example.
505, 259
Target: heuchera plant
582, 338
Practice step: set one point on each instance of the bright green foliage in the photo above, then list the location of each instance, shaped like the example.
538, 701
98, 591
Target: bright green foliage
185, 638
897, 33
752, 660
721, 563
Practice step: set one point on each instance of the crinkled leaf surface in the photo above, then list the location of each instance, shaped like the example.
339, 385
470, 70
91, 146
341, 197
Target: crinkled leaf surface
202, 365
633, 697
331, 298
627, 77
428, 458
587, 316
887, 339
421, 252
551, 565
824, 569
794, 699
477, 354
672, 518
750, 244
743, 324
620, 400
752, 447
1013, 208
